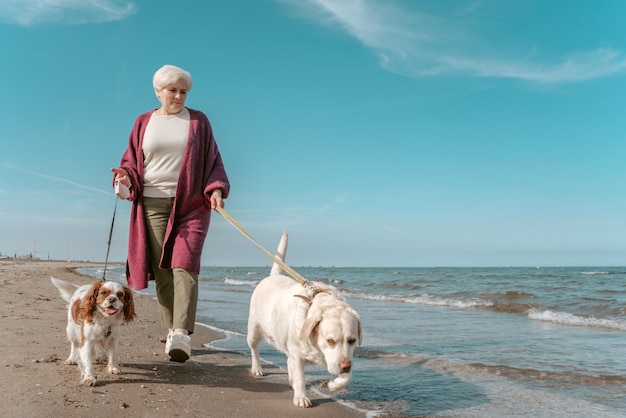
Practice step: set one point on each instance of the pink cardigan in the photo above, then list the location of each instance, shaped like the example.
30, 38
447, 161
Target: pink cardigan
201, 172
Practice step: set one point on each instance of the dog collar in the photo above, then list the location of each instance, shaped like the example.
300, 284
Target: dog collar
314, 292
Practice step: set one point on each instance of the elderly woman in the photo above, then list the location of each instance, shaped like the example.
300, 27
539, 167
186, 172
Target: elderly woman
175, 174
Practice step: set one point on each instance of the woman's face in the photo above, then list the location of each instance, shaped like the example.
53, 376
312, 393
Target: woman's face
172, 97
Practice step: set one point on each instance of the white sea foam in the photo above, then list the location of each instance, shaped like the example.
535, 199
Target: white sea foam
426, 299
226, 333
564, 318
240, 282
595, 273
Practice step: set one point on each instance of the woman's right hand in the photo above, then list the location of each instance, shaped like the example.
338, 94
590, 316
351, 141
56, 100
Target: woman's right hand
122, 176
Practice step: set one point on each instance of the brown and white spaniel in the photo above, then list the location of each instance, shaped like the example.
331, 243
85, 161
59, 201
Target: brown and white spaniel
94, 318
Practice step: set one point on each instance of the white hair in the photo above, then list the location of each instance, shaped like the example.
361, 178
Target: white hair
170, 74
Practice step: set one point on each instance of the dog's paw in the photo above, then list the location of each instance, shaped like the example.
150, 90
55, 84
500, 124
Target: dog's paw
257, 371
71, 361
302, 402
113, 370
339, 382
89, 381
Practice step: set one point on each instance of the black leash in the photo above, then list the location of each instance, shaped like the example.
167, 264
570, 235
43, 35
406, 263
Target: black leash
106, 260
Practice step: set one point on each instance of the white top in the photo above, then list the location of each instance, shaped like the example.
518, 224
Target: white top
163, 146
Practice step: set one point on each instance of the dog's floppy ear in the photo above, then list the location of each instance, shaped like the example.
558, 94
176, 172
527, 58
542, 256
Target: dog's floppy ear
87, 306
358, 320
129, 304
310, 324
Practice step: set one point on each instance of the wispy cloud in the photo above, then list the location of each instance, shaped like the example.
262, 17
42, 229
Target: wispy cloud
59, 179
33, 12
576, 67
417, 44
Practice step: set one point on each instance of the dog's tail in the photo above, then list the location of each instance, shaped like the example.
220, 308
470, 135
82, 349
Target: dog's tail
281, 253
65, 289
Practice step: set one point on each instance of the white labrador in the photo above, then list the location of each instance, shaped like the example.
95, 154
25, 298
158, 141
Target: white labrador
309, 326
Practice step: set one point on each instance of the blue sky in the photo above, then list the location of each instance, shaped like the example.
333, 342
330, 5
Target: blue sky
377, 133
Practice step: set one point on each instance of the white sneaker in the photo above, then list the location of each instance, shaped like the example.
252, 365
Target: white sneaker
179, 347
168, 342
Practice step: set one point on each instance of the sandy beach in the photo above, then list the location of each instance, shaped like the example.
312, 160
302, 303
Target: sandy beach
37, 383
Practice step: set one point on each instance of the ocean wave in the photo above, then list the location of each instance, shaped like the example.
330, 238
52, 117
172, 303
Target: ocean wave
403, 359
396, 285
564, 318
113, 272
517, 294
234, 282
534, 311
512, 308
445, 366
224, 333
426, 299
595, 273
330, 281
512, 295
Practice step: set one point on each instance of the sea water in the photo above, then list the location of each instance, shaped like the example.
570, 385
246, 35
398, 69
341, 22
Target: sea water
459, 342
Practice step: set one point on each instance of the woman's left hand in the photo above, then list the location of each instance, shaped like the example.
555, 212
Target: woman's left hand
216, 199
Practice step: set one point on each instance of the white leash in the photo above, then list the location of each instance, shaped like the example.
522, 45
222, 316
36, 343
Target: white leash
294, 274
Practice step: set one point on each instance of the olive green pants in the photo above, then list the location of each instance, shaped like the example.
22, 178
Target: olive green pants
177, 288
